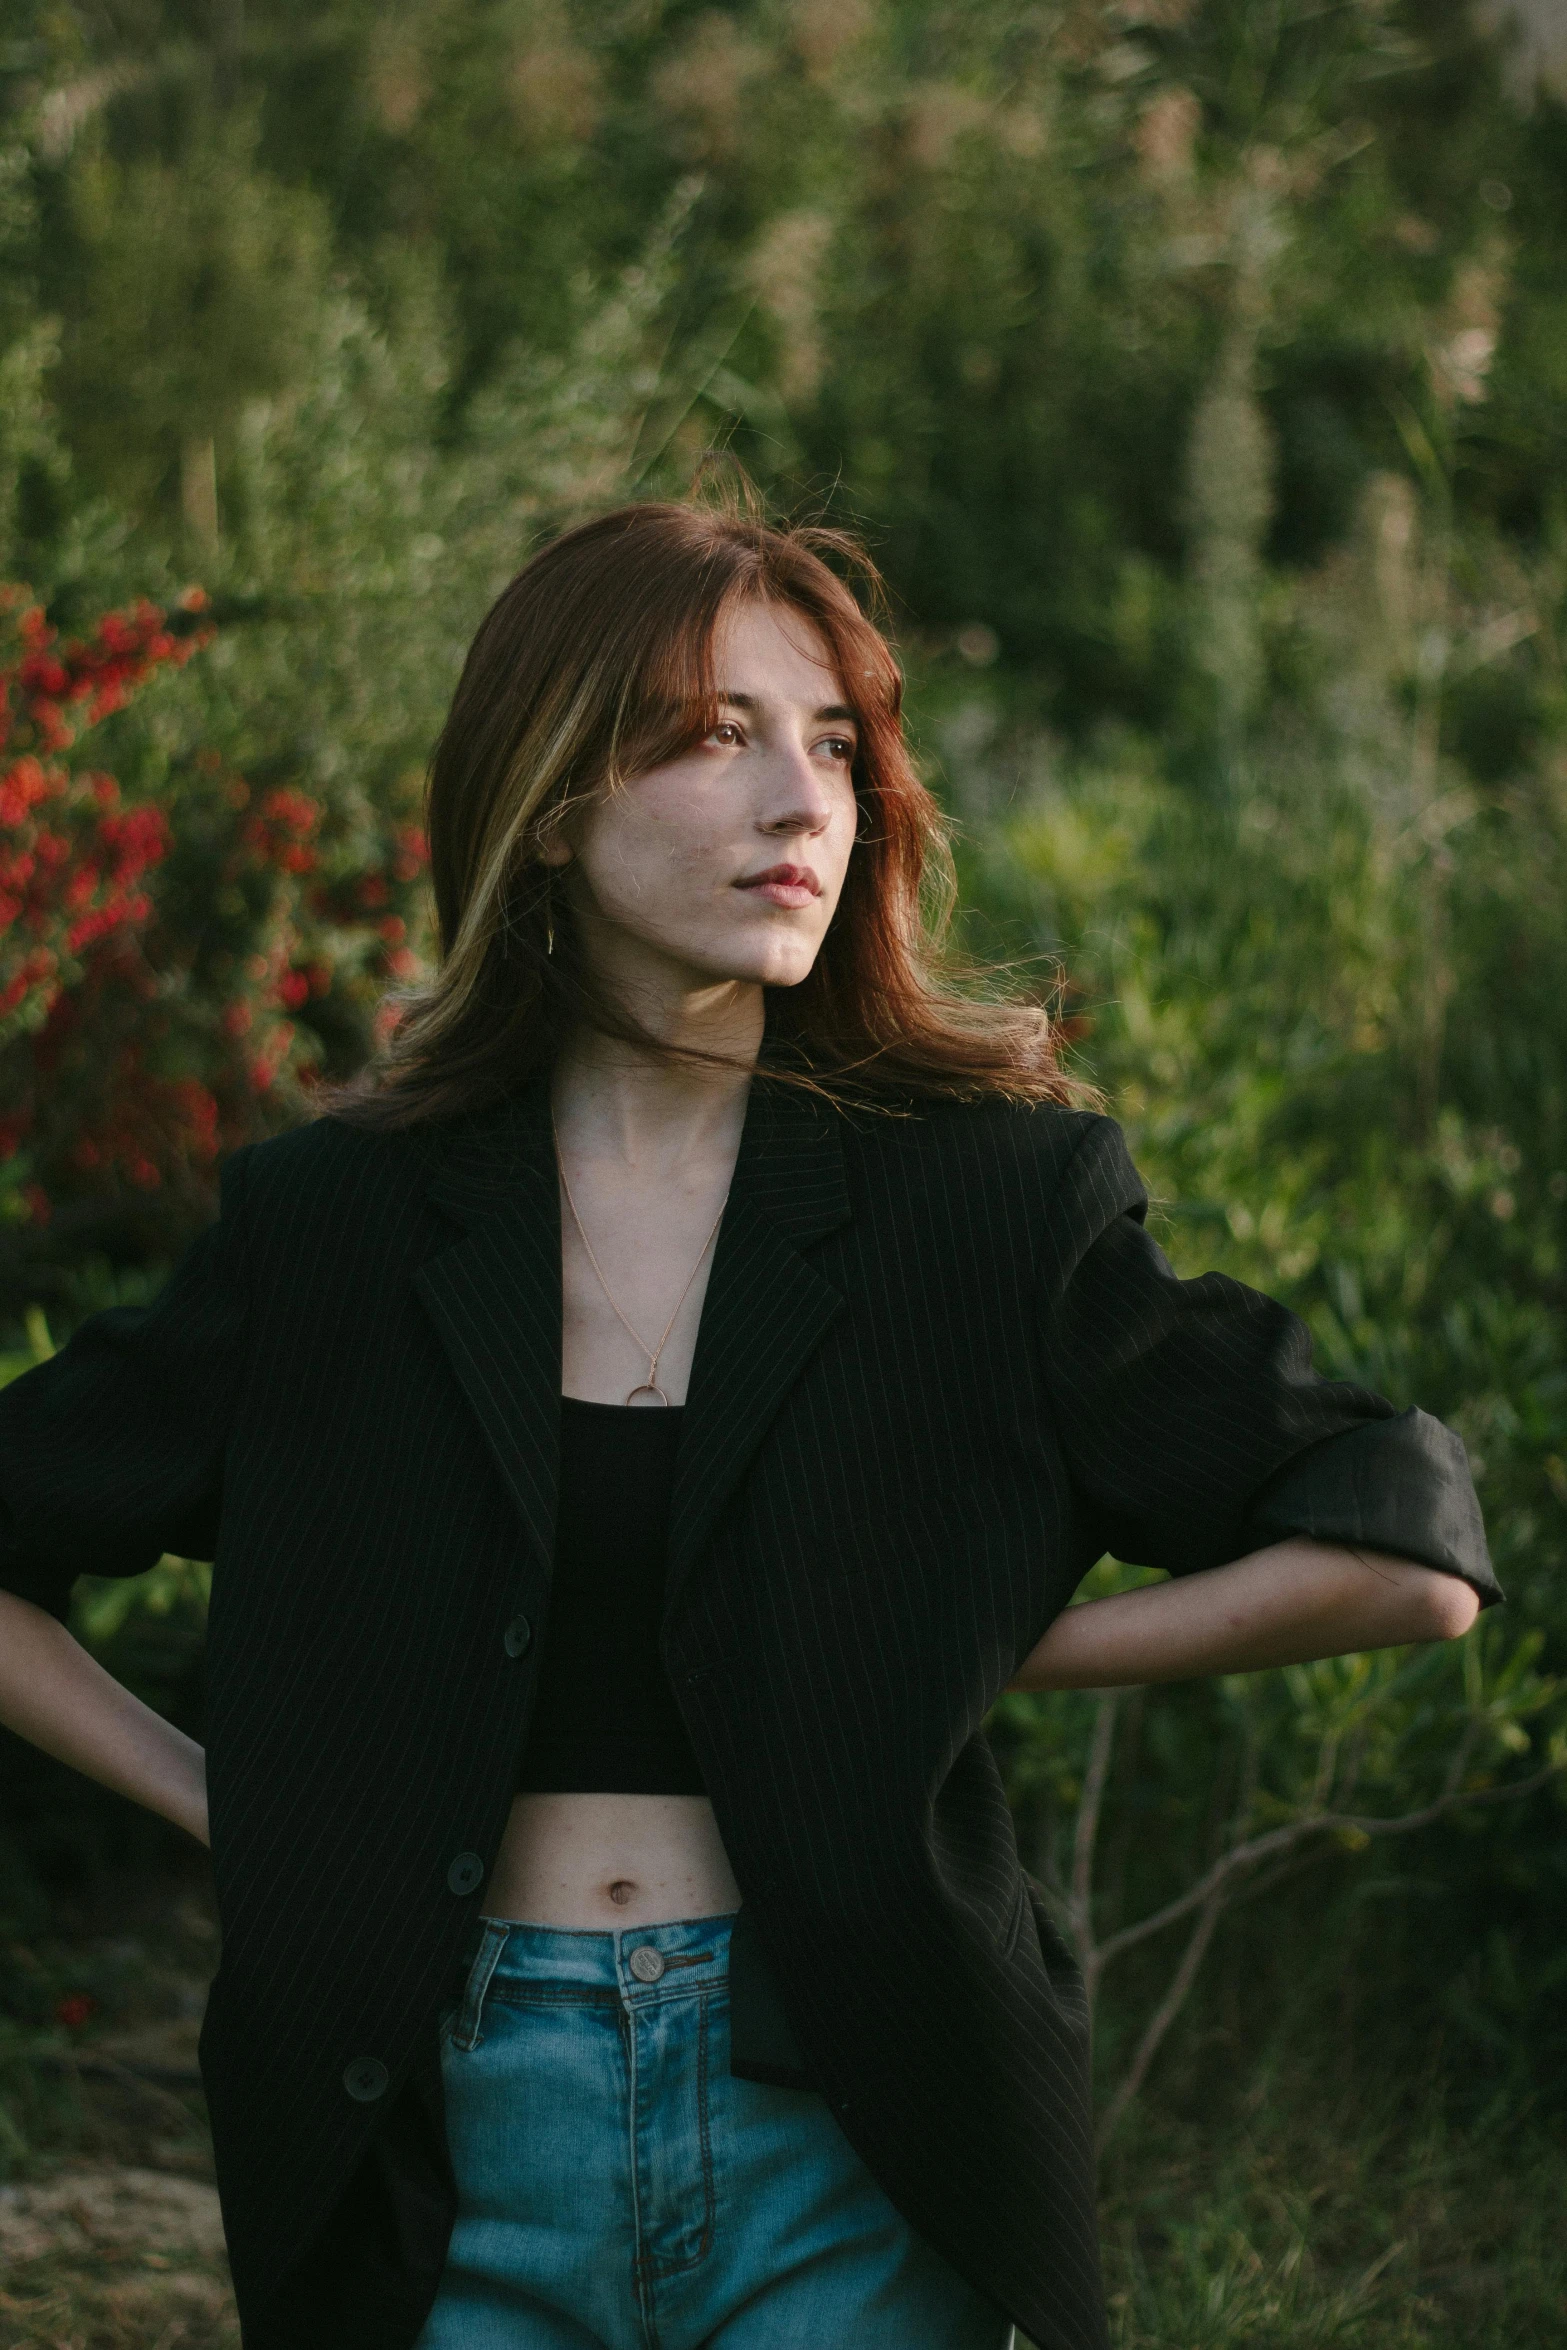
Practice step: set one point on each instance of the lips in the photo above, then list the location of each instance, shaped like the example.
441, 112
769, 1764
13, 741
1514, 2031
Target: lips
784, 885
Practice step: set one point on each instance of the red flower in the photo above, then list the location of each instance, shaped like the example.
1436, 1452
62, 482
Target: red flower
74, 2009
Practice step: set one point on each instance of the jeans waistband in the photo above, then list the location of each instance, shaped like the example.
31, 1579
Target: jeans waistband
637, 1962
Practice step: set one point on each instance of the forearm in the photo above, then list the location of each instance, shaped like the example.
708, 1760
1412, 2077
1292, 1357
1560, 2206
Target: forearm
59, 1698
1286, 1605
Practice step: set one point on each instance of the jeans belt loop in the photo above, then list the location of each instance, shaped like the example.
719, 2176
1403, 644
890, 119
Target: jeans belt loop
466, 2033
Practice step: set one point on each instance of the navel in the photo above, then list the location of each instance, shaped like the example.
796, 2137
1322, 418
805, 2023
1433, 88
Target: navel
622, 1889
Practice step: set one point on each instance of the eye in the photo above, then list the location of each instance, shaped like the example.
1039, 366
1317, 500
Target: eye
839, 746
728, 732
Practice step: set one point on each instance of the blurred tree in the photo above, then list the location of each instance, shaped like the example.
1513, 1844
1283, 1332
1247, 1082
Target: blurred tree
1294, 1767
195, 288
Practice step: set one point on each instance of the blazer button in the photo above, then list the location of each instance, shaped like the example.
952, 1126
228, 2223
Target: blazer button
366, 2079
516, 1636
466, 1873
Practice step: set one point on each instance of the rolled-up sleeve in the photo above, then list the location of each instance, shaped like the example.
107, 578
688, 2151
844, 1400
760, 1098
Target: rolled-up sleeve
111, 1452
1194, 1426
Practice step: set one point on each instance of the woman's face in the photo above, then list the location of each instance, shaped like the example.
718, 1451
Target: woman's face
726, 863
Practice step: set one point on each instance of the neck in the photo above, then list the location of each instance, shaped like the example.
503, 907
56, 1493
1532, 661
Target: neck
615, 1097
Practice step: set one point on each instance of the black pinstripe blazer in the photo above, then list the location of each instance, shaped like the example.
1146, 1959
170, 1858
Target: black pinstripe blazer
941, 1368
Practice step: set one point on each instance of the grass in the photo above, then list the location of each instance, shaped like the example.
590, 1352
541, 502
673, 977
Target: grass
1365, 2222
116, 2299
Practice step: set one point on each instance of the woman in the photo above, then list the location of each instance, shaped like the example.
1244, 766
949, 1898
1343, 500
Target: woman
641, 1433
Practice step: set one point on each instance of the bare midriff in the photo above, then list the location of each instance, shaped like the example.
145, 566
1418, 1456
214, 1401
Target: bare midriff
610, 1860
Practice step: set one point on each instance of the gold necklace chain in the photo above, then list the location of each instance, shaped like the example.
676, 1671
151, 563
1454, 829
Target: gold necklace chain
649, 1385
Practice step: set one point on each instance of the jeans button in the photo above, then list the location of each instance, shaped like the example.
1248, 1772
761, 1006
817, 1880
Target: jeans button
646, 1963
516, 1636
366, 2079
466, 1873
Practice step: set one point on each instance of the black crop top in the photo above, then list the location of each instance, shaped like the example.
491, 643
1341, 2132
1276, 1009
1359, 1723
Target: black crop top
604, 1717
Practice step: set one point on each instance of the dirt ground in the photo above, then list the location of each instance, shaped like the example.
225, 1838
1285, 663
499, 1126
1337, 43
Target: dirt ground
110, 2233
115, 2258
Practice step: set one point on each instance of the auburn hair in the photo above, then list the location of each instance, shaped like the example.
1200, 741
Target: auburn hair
595, 665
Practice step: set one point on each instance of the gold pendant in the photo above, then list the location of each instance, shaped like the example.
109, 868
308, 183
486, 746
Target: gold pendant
648, 1387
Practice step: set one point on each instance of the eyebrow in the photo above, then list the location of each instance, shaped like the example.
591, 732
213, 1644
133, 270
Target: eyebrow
839, 710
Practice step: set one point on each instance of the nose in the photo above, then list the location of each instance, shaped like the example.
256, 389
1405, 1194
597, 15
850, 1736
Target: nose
800, 799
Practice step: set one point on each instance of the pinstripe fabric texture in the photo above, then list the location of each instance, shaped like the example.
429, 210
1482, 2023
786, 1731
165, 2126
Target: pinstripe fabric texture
941, 1368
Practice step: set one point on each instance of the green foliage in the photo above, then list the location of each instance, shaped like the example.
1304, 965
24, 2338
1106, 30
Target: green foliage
1151, 1814
191, 290
358, 556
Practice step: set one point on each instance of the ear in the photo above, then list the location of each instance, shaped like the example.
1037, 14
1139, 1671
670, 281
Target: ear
555, 851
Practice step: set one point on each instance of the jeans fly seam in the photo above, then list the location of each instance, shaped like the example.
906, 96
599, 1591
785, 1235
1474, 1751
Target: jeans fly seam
652, 2264
641, 2281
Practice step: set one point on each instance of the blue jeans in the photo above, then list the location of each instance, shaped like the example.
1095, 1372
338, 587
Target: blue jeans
617, 2190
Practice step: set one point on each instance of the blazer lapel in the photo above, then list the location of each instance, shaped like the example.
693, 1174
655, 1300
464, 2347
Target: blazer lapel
495, 1297
766, 1310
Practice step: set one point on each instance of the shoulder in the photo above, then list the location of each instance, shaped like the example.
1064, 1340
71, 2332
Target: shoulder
325, 1168
1031, 1154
